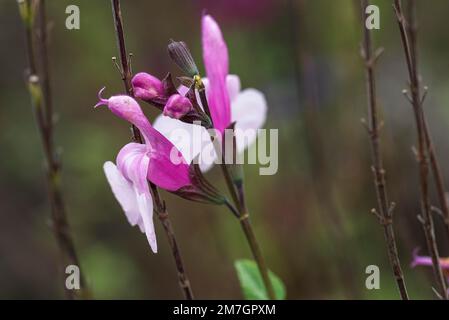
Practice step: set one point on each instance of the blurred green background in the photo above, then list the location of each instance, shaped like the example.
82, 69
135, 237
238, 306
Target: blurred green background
312, 218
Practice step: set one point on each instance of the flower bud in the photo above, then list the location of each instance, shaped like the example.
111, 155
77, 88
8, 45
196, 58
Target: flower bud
122, 106
177, 106
146, 86
181, 55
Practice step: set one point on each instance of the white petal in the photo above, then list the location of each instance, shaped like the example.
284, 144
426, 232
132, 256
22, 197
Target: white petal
233, 85
138, 175
191, 140
249, 111
123, 192
141, 225
145, 203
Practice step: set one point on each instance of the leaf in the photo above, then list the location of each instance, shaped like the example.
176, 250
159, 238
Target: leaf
252, 284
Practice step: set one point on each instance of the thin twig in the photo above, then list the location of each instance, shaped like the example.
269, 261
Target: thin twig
40, 91
159, 208
385, 214
408, 32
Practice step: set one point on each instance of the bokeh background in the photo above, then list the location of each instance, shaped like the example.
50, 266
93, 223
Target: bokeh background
312, 218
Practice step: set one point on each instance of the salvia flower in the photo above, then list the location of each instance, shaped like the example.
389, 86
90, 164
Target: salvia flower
167, 167
158, 161
129, 185
177, 106
227, 103
136, 163
147, 87
427, 261
181, 105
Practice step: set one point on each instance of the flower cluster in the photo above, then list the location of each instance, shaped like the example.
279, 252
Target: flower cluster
213, 102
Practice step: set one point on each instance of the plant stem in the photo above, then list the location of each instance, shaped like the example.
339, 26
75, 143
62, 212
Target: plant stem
239, 199
162, 214
160, 208
424, 146
434, 163
385, 214
40, 91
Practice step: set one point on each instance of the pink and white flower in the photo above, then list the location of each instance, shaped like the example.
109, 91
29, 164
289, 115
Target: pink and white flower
227, 103
136, 163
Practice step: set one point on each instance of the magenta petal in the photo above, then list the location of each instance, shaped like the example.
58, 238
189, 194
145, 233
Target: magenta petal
427, 261
215, 56
126, 108
168, 168
146, 86
421, 261
167, 175
177, 106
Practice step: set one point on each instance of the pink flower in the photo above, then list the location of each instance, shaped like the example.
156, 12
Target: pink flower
129, 185
427, 261
146, 86
216, 62
226, 102
167, 167
157, 160
177, 106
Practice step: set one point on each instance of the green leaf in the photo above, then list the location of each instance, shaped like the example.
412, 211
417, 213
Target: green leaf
252, 284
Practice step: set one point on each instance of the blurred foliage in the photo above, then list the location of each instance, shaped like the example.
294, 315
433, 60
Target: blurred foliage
312, 218
251, 281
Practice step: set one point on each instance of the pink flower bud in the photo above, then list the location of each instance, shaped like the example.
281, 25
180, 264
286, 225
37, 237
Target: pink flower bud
147, 87
122, 106
177, 106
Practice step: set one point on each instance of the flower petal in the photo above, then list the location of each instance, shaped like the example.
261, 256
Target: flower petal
123, 192
133, 162
127, 156
249, 111
233, 86
137, 173
182, 90
215, 56
145, 203
427, 261
191, 140
167, 168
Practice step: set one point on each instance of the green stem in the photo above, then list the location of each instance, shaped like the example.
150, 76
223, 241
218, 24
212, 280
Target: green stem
239, 200
249, 232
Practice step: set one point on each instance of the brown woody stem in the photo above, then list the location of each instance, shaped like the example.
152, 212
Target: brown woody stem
408, 32
40, 91
385, 210
159, 207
